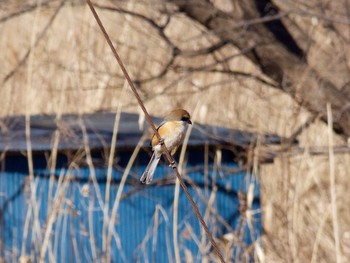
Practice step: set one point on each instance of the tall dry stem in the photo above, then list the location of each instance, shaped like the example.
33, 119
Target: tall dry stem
110, 164
117, 199
333, 192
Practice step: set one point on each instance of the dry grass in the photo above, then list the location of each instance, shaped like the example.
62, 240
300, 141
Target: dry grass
71, 70
74, 60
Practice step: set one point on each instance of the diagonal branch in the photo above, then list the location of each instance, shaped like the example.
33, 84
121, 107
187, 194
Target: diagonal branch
150, 122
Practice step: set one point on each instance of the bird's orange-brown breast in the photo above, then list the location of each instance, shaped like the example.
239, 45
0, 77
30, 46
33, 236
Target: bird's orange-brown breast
172, 133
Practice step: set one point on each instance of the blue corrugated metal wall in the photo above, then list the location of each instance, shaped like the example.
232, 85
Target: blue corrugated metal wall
77, 231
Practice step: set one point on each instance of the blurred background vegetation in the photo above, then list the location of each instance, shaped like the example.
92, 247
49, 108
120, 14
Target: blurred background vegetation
262, 66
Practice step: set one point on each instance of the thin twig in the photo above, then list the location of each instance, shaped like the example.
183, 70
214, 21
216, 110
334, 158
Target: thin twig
23, 10
32, 183
114, 212
150, 122
110, 166
155, 234
175, 221
56, 206
335, 221
177, 191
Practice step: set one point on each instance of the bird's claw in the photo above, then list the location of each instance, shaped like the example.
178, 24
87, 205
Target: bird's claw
172, 164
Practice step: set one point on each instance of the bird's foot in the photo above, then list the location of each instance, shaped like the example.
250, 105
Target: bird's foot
161, 141
172, 164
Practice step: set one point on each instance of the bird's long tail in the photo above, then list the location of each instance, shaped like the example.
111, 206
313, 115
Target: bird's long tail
147, 176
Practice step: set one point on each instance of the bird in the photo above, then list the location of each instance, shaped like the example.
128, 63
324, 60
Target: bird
172, 132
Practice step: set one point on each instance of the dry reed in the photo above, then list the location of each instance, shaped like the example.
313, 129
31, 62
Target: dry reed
304, 191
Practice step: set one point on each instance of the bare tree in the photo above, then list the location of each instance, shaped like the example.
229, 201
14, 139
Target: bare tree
256, 28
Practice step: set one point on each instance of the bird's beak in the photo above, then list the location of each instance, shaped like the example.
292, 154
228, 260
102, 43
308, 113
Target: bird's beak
189, 121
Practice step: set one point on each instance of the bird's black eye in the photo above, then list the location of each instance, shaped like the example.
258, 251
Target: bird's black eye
186, 119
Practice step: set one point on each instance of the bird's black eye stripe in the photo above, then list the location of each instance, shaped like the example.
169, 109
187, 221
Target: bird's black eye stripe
185, 118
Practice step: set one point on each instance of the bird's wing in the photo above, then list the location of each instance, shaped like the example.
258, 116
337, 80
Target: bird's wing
154, 141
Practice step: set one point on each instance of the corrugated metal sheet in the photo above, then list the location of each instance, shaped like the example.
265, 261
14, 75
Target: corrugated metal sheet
144, 228
77, 231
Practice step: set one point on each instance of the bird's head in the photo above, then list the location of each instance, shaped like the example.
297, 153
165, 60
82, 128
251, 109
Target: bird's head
179, 115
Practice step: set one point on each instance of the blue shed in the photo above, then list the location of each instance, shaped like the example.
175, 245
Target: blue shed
62, 202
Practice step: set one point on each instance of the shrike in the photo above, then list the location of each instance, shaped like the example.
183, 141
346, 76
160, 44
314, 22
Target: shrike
172, 131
